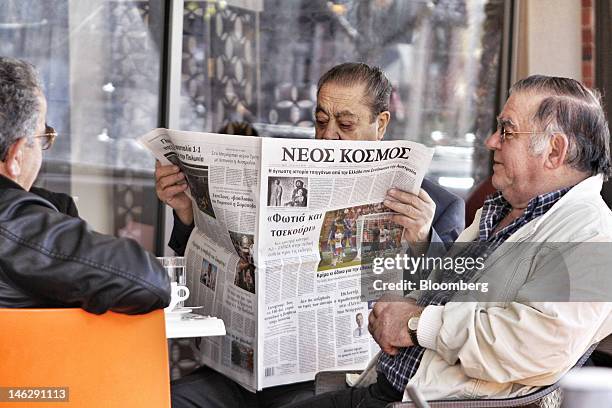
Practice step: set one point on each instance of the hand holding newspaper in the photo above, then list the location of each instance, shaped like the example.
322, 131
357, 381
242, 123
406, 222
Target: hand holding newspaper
281, 230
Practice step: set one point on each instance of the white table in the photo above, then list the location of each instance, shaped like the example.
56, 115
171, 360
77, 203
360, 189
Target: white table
190, 326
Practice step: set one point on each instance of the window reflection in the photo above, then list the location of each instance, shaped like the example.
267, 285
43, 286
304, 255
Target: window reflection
99, 61
259, 61
253, 61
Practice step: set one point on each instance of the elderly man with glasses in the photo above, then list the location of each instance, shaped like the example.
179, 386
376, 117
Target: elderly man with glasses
47, 257
547, 300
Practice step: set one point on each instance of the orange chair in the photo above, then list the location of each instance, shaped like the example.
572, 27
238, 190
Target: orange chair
110, 360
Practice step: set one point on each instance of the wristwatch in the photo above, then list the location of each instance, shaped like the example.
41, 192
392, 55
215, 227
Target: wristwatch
413, 324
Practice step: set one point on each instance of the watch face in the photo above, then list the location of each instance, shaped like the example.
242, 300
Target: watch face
413, 323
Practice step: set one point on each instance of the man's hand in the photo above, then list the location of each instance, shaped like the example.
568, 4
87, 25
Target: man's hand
388, 323
169, 191
415, 214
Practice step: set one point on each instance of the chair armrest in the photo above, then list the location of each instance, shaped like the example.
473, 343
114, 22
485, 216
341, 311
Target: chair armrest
549, 397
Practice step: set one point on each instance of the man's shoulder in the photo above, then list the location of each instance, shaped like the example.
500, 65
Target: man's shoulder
63, 202
580, 218
14, 198
20, 209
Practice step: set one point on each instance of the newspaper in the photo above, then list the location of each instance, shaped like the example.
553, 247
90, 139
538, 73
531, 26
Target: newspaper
281, 231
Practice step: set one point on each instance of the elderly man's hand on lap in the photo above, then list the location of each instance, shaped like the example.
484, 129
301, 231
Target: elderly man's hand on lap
387, 322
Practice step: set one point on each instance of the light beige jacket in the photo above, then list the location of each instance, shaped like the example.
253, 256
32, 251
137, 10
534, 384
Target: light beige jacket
508, 342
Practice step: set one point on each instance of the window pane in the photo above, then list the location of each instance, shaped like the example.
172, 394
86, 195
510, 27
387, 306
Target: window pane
99, 61
259, 61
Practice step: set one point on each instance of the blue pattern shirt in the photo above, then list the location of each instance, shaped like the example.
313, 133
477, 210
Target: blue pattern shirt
400, 368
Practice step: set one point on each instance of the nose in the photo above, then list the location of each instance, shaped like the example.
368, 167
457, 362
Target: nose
493, 142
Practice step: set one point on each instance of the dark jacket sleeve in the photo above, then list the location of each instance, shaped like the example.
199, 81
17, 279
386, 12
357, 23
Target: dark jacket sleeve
180, 235
63, 202
449, 224
48, 259
449, 218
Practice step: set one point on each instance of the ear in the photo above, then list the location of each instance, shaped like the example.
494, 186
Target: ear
14, 159
557, 151
382, 120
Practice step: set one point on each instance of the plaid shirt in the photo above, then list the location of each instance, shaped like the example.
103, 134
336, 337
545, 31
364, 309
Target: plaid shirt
400, 368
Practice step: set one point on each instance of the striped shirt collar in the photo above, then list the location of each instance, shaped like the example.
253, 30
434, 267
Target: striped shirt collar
496, 208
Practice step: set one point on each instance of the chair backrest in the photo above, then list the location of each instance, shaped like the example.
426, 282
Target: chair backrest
476, 199
108, 360
606, 192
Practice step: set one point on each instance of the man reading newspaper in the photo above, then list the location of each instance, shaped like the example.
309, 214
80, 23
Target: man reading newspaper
352, 104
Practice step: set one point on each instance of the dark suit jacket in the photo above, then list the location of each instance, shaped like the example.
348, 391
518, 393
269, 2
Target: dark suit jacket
447, 224
449, 218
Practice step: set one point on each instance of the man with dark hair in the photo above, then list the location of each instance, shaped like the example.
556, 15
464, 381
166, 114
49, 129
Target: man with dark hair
47, 258
373, 82
352, 104
551, 154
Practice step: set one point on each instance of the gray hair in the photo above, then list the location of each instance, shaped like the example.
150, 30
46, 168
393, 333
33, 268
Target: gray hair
576, 111
378, 86
20, 89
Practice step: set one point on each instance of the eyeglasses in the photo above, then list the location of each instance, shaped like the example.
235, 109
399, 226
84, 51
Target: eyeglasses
505, 134
49, 137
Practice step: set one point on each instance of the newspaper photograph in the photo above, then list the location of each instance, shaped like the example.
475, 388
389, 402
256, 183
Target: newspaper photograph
285, 229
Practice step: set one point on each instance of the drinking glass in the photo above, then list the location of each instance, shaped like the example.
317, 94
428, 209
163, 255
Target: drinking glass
175, 267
